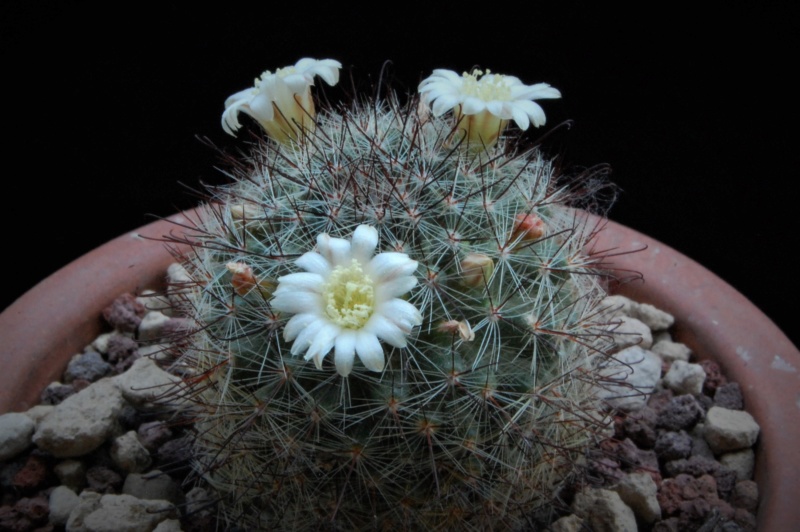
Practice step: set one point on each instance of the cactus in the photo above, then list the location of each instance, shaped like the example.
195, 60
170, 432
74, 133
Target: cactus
440, 283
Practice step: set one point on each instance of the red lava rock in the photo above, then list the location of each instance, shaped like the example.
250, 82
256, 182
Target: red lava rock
714, 377
704, 401
12, 521
694, 465
606, 468
698, 512
673, 445
680, 413
154, 434
80, 384
729, 396
125, 313
682, 488
54, 394
120, 347
618, 457
101, 479
658, 400
745, 495
175, 455
726, 482
635, 459
745, 519
37, 509
639, 426
691, 500
32, 475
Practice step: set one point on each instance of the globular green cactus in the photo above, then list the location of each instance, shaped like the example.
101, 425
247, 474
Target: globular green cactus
435, 270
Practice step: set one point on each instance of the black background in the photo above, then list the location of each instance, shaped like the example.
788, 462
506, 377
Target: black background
695, 112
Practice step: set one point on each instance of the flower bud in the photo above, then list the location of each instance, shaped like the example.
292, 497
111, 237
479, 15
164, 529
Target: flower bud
243, 280
245, 211
476, 269
527, 227
462, 328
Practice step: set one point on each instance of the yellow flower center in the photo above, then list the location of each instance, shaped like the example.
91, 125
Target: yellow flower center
491, 88
349, 296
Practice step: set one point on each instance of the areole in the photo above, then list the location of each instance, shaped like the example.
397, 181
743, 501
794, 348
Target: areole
59, 316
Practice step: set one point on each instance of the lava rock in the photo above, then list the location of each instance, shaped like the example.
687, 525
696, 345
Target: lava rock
639, 426
680, 413
745, 495
714, 377
673, 445
102, 479
695, 466
125, 313
729, 396
87, 366
153, 434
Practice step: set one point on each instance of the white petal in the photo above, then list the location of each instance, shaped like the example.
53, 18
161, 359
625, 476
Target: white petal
298, 83
448, 76
472, 105
315, 263
335, 250
401, 312
539, 91
233, 105
369, 351
385, 330
390, 265
443, 104
520, 117
322, 343
305, 63
295, 302
239, 98
394, 287
260, 107
534, 111
303, 340
295, 325
345, 352
320, 67
496, 107
230, 121
301, 281
364, 242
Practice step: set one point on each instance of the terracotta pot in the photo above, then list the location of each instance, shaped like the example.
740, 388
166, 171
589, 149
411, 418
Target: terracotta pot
59, 316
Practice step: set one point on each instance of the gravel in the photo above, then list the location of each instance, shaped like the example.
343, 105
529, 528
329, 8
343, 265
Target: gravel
98, 452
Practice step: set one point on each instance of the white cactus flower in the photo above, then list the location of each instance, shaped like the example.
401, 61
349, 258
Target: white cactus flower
347, 300
484, 102
281, 101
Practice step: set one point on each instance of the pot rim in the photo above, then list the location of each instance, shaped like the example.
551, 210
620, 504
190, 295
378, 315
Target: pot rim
712, 318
